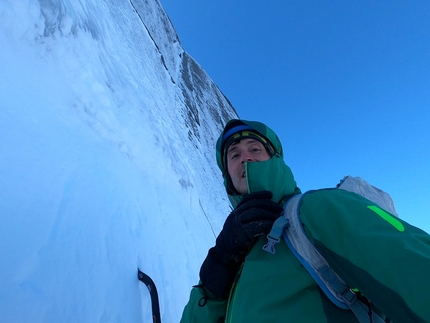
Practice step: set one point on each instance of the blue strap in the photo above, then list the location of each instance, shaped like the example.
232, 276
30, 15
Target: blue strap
275, 234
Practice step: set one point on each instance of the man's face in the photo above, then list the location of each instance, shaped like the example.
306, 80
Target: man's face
239, 152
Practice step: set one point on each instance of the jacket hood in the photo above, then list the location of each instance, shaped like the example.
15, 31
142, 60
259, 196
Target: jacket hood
271, 175
256, 126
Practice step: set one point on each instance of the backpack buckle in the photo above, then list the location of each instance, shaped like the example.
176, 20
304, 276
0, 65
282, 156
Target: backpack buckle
275, 234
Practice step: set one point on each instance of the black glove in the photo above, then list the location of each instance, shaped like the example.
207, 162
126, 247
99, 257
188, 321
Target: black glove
253, 216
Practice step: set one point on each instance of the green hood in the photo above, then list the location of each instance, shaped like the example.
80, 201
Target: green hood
272, 175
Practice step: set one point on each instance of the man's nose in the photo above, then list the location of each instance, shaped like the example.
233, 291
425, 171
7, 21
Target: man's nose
246, 157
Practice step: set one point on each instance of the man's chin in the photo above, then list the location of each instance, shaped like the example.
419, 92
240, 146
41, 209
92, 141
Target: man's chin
243, 190
241, 187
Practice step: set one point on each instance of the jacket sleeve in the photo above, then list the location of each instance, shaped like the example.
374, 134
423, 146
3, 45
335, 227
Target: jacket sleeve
203, 307
386, 258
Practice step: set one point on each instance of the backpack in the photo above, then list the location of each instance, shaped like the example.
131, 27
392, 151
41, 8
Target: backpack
290, 228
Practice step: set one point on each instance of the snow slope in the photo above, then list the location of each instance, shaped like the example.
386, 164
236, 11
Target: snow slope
107, 164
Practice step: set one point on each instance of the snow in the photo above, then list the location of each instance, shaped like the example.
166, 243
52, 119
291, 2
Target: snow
101, 171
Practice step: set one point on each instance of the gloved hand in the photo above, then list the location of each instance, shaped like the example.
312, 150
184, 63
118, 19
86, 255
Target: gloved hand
253, 216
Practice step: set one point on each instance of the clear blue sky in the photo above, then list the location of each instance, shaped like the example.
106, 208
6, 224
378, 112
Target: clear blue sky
345, 84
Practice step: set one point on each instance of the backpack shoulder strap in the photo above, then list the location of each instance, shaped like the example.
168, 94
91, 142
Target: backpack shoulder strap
290, 228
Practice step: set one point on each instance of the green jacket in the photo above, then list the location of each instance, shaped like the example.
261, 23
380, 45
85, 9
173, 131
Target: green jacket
387, 264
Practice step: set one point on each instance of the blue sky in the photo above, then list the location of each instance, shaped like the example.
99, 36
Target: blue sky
345, 84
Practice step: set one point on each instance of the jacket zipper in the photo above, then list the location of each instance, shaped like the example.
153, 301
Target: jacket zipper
232, 295
247, 177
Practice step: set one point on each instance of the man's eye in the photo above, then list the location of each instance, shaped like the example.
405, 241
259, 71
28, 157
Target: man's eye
233, 156
254, 150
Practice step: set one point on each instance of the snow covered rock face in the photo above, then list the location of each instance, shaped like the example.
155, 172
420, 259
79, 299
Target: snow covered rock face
107, 163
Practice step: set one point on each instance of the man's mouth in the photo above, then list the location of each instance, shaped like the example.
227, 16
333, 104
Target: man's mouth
243, 174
